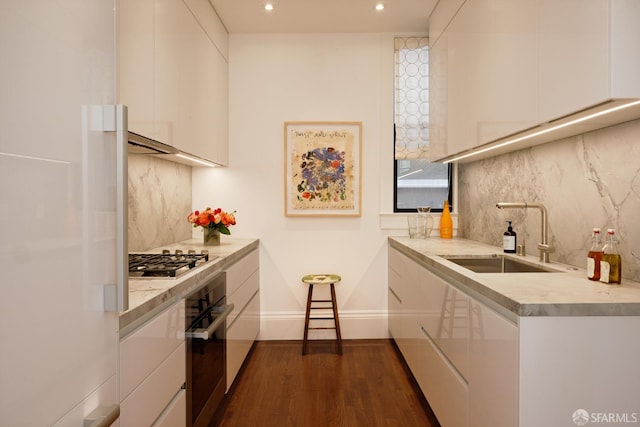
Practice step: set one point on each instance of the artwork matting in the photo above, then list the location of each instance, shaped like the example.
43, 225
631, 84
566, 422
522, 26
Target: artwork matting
322, 168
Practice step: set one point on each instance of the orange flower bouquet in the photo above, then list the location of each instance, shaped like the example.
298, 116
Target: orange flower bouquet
214, 219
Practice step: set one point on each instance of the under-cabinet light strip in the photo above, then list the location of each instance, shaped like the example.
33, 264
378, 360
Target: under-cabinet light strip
193, 159
542, 132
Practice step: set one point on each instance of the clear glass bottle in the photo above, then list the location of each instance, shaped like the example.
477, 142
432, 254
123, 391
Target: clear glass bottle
611, 264
594, 256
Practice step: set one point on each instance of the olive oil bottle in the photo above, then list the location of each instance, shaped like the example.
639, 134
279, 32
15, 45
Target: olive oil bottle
611, 264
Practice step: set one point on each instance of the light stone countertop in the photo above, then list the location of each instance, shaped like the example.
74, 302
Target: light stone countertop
147, 297
565, 293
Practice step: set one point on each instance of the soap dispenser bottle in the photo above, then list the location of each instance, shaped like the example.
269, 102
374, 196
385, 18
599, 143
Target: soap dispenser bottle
509, 240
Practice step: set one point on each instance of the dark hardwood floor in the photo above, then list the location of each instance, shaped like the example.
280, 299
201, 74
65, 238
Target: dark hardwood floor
369, 385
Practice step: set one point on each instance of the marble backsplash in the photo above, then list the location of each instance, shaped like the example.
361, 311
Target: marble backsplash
586, 181
159, 202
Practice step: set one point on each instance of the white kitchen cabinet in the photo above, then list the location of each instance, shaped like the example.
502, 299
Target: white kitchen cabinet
404, 298
174, 74
153, 369
243, 324
483, 75
215, 90
441, 17
211, 24
571, 363
445, 389
464, 356
135, 64
493, 373
428, 322
173, 415
588, 54
499, 67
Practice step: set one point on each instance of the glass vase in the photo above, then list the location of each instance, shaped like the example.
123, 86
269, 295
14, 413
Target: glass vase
211, 236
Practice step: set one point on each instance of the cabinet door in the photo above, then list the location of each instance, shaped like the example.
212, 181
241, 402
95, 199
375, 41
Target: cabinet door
574, 38
153, 368
490, 60
241, 336
135, 63
219, 117
176, 413
445, 389
403, 293
396, 294
210, 86
493, 369
178, 63
243, 324
446, 318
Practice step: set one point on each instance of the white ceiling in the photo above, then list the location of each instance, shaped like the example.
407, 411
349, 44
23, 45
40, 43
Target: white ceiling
324, 16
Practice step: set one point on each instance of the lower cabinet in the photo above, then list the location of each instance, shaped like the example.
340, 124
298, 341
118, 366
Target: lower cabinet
463, 355
243, 324
442, 384
478, 366
152, 372
493, 369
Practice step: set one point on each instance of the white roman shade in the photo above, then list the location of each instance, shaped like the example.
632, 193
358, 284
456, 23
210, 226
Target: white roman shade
411, 98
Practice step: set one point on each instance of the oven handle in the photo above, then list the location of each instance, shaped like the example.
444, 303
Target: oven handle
205, 334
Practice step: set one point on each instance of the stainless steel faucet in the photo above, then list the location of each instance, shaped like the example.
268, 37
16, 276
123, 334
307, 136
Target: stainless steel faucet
543, 246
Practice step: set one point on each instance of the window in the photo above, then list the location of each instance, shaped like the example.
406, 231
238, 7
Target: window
418, 182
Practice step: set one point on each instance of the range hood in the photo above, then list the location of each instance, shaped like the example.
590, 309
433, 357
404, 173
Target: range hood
141, 145
599, 116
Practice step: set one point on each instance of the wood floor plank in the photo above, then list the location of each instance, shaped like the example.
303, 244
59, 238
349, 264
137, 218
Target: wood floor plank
369, 385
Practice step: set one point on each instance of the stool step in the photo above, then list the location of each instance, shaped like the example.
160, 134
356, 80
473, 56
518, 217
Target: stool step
321, 318
321, 328
321, 308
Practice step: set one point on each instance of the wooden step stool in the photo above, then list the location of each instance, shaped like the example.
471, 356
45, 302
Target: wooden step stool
321, 279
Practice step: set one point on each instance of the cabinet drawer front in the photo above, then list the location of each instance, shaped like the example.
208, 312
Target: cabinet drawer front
176, 413
447, 318
239, 272
145, 349
154, 394
241, 297
241, 335
444, 388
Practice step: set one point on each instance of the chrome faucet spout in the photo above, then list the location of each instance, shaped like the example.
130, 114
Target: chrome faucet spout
543, 247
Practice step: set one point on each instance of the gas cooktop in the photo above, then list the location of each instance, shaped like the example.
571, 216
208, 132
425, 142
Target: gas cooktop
166, 264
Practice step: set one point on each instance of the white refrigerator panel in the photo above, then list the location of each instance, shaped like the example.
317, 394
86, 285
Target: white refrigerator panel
57, 212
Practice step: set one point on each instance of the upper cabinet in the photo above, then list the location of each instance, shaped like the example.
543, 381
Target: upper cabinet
135, 64
502, 67
175, 78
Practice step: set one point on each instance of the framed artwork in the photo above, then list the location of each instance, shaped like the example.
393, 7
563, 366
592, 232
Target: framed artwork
322, 168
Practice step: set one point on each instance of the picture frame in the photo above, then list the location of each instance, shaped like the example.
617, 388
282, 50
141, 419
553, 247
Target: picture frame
323, 169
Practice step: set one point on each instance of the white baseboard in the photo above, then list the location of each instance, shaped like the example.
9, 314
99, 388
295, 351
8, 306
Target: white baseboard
353, 325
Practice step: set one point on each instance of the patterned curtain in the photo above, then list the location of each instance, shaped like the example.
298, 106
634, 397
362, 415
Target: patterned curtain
411, 98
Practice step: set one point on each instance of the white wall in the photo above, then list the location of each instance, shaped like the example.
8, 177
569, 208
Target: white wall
308, 77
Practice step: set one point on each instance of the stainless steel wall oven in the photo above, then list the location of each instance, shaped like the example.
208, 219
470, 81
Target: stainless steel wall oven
206, 311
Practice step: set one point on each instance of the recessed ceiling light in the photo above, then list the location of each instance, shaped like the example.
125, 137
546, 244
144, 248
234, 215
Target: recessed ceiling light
268, 6
379, 6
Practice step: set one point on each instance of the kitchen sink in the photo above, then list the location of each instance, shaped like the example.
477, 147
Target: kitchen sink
497, 264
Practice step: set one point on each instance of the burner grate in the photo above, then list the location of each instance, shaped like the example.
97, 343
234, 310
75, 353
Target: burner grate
165, 264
